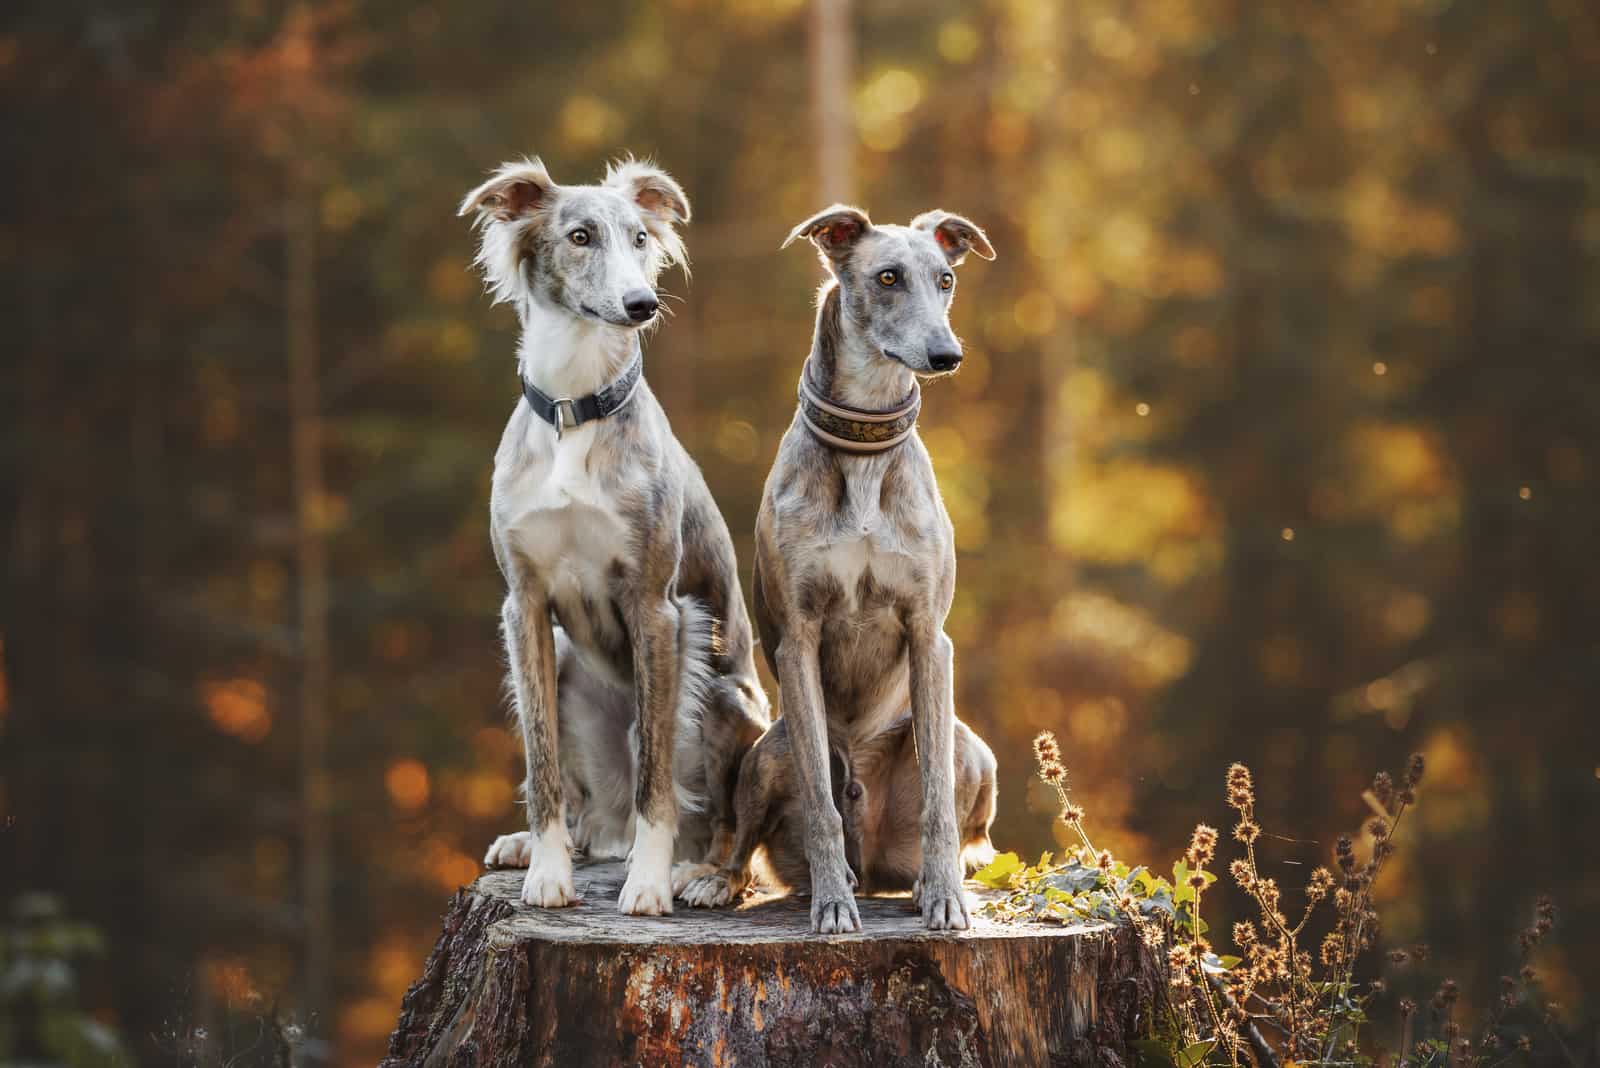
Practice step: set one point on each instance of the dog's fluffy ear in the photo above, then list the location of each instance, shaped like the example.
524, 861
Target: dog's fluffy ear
513, 191
661, 200
834, 230
956, 236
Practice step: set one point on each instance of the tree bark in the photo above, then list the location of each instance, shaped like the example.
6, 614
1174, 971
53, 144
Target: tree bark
832, 48
511, 985
311, 555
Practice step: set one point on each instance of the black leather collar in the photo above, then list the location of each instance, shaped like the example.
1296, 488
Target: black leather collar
563, 413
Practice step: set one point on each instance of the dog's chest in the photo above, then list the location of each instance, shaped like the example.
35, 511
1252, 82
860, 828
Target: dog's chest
869, 554
565, 520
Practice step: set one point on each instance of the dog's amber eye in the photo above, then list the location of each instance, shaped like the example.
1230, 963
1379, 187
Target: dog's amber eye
887, 278
639, 239
946, 280
579, 237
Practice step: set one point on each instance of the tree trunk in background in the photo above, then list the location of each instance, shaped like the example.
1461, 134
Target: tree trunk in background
507, 984
305, 414
832, 52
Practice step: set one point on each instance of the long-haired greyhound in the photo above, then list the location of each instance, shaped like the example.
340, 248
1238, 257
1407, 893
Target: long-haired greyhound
855, 554
630, 653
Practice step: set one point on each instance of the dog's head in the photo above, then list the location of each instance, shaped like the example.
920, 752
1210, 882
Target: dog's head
896, 282
592, 251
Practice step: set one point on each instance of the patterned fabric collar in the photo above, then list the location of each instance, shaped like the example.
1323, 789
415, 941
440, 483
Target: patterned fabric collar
856, 430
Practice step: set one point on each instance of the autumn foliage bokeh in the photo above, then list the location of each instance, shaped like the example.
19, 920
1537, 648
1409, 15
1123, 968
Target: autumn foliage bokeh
1275, 441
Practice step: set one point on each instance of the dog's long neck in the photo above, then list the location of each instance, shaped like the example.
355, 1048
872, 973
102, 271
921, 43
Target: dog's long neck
848, 369
565, 356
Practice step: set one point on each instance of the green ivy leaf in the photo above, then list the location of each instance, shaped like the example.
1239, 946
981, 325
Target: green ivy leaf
997, 874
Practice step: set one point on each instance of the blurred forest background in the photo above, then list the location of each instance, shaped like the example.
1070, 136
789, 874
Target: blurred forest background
1276, 441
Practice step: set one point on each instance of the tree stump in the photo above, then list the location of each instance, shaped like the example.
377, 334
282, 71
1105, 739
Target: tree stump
512, 985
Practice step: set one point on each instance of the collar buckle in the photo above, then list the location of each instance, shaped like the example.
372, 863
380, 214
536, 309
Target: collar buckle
570, 414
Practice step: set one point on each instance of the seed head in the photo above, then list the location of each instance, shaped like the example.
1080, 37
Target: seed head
1414, 771
1378, 828
1247, 831
1241, 790
1383, 788
1046, 749
1202, 845
1104, 860
1071, 813
1053, 772
1197, 881
1240, 870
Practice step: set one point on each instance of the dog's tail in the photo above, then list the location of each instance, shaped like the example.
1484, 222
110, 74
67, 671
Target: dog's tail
697, 639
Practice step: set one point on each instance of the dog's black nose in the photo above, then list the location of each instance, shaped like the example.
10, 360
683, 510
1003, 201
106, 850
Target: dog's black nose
944, 361
641, 304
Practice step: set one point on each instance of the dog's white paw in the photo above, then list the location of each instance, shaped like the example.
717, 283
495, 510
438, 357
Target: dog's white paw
510, 851
687, 871
943, 906
648, 890
708, 892
644, 896
548, 884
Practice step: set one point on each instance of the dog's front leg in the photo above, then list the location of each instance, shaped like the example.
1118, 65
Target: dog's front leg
530, 649
938, 892
656, 637
833, 905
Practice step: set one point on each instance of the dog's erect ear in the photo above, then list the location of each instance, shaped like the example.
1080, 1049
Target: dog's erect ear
956, 236
515, 190
834, 230
658, 195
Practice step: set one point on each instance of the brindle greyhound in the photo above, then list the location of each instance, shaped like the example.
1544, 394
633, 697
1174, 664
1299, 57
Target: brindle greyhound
623, 620
855, 554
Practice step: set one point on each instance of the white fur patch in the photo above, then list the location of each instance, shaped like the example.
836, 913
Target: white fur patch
549, 880
648, 891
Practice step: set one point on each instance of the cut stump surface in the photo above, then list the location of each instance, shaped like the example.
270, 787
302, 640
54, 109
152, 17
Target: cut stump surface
749, 986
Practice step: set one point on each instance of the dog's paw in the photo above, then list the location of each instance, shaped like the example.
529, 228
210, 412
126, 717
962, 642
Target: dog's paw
648, 891
710, 892
835, 914
549, 882
687, 871
943, 904
510, 851
645, 894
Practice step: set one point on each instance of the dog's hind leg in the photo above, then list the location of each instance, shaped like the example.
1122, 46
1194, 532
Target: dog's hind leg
761, 779
530, 651
975, 797
938, 892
